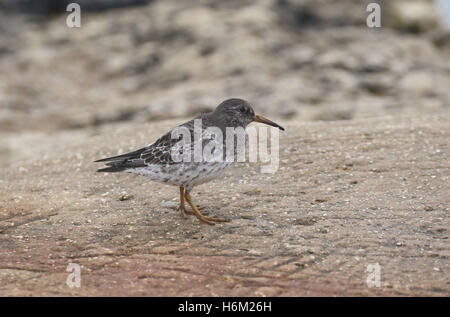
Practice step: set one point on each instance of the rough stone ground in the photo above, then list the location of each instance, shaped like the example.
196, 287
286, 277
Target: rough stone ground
347, 194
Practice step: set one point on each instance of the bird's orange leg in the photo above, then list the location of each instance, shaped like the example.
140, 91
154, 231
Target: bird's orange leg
181, 207
198, 214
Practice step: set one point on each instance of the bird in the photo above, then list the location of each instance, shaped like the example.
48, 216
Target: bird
158, 162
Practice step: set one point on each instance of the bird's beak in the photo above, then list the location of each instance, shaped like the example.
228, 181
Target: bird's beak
258, 118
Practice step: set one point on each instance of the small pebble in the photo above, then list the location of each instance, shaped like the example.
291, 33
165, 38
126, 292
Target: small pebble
126, 197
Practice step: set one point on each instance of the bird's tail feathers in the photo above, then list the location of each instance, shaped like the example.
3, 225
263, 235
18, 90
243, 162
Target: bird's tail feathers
111, 169
123, 157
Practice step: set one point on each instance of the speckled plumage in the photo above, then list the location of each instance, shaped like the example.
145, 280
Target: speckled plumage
156, 161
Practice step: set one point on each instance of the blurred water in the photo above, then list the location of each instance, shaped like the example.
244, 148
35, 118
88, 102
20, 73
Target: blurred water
444, 8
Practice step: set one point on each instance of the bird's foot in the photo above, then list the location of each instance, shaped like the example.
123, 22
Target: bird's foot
206, 219
216, 219
184, 211
187, 211
210, 220
202, 208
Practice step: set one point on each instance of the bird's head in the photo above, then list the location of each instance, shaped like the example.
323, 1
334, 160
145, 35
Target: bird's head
238, 113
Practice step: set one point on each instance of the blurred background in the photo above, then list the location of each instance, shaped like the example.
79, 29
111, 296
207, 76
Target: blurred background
135, 61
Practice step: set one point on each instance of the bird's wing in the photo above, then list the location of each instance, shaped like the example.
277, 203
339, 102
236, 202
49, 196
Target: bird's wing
172, 142
160, 152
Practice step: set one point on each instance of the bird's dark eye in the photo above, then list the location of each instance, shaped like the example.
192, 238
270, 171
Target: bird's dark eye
242, 109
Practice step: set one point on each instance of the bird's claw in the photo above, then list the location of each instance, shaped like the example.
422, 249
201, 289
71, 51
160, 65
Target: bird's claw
184, 211
206, 219
216, 219
187, 211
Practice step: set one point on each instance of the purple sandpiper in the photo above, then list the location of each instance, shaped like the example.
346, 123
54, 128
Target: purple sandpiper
156, 160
